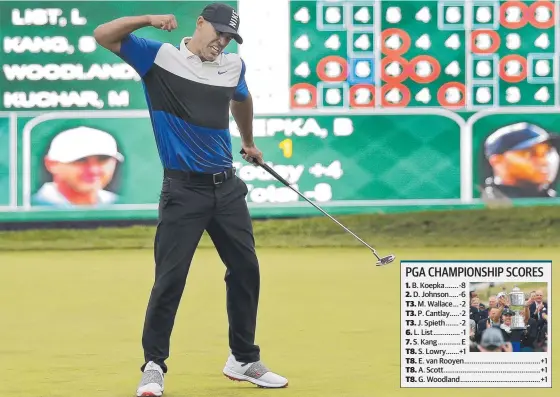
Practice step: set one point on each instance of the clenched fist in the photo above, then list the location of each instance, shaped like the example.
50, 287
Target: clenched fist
164, 22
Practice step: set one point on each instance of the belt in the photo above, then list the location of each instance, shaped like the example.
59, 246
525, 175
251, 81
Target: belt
200, 177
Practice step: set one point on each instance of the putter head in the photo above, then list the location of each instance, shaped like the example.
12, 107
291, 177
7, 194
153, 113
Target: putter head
385, 260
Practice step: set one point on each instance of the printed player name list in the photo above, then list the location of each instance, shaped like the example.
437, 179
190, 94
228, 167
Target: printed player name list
436, 346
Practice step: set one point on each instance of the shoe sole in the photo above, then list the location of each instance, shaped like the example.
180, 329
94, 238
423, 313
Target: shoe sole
148, 393
242, 378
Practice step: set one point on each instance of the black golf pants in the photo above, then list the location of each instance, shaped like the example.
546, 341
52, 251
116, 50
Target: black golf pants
186, 209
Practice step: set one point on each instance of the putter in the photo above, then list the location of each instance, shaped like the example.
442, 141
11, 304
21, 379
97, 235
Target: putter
381, 261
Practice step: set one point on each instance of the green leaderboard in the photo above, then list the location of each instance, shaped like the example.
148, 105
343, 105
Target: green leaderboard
461, 55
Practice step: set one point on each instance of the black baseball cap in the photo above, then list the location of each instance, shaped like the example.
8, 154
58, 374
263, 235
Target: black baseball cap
224, 19
507, 312
515, 137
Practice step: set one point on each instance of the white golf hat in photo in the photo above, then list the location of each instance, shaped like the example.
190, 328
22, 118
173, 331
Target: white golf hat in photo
80, 142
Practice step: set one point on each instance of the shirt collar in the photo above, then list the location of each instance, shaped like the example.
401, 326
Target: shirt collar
185, 51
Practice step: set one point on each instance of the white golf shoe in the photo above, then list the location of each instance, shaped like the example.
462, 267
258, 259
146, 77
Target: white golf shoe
255, 373
151, 384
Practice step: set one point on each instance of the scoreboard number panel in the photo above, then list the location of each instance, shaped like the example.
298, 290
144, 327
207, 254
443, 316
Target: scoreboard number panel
431, 66
458, 55
527, 70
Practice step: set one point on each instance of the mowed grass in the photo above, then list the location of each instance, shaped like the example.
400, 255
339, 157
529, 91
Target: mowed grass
329, 320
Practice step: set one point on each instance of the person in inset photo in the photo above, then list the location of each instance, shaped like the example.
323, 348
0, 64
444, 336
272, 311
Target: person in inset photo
538, 307
520, 160
506, 323
82, 162
492, 341
494, 319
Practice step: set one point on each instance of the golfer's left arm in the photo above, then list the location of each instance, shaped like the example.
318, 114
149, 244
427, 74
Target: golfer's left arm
242, 110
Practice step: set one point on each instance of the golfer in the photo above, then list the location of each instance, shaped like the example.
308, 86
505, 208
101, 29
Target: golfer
190, 89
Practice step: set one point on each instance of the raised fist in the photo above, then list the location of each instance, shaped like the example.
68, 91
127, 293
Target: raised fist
164, 22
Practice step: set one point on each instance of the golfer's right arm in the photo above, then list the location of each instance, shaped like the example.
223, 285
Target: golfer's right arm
111, 34
140, 53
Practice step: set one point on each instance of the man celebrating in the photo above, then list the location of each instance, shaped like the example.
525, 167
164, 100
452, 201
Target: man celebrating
538, 308
82, 163
493, 320
492, 302
476, 313
190, 89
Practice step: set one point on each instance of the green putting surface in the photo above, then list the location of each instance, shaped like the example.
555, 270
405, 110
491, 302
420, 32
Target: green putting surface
329, 321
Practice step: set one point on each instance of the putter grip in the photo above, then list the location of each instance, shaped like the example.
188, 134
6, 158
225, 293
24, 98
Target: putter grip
270, 171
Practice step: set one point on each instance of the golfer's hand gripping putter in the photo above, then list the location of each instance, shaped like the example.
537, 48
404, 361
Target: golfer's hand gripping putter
381, 261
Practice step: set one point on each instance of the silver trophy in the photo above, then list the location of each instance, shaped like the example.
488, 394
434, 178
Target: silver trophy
517, 305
